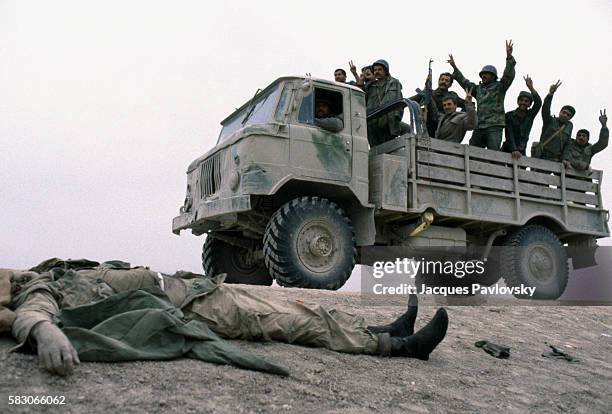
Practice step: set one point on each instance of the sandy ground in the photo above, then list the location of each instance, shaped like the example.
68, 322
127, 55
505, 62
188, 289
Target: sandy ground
458, 377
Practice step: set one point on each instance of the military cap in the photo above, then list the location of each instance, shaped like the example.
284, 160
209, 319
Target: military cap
526, 94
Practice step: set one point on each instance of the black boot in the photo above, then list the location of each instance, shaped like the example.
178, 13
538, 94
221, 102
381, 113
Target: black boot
419, 345
404, 325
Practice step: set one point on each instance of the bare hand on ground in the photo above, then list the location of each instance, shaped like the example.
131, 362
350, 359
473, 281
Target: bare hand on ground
55, 352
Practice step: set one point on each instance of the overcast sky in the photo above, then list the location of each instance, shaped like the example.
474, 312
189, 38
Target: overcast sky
103, 104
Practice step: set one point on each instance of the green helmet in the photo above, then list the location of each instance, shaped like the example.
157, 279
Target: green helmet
382, 63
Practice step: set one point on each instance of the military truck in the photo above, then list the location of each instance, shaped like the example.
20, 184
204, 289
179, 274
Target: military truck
280, 198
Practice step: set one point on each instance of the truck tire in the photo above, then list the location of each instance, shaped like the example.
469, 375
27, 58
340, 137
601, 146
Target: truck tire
309, 243
534, 256
221, 257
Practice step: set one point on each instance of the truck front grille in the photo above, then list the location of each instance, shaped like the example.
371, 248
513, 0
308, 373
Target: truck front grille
210, 174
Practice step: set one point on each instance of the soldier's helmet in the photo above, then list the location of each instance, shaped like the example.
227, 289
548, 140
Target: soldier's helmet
382, 63
489, 69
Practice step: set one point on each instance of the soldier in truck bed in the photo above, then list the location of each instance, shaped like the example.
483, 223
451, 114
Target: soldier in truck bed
438, 95
453, 125
379, 93
520, 120
114, 312
556, 131
578, 153
489, 94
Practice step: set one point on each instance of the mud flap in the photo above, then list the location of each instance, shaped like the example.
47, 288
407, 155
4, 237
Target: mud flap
583, 253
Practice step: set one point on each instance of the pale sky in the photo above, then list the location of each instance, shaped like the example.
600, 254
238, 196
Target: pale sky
103, 104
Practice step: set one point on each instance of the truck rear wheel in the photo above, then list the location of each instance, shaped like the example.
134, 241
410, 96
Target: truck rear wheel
239, 263
534, 256
309, 243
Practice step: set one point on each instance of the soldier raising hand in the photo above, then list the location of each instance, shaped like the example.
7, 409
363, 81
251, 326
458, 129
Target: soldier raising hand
578, 153
489, 93
520, 120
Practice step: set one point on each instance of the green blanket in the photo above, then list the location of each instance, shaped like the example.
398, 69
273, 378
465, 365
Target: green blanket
144, 325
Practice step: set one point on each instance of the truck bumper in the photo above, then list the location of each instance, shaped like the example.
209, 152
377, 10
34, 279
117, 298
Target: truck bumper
211, 210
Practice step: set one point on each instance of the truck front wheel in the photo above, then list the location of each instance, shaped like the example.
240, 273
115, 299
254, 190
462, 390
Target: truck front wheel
533, 256
239, 263
309, 243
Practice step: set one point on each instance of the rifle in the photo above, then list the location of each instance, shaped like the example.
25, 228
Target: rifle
426, 95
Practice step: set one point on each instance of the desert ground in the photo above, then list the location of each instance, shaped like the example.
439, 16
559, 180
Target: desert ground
458, 377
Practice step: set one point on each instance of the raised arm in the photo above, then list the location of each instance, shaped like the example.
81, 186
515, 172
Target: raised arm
546, 116
471, 119
537, 101
458, 76
509, 72
604, 134
358, 78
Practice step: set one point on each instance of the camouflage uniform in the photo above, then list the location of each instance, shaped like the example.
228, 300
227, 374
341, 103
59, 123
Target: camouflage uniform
230, 311
580, 155
452, 127
380, 93
491, 113
553, 150
518, 129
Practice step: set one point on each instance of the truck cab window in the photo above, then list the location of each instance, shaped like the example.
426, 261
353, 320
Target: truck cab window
326, 103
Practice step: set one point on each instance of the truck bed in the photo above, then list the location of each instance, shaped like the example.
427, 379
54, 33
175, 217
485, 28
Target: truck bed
468, 185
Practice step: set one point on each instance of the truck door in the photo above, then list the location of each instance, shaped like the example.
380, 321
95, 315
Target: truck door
316, 150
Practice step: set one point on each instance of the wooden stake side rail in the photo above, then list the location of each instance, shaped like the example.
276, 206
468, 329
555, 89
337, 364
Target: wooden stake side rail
465, 181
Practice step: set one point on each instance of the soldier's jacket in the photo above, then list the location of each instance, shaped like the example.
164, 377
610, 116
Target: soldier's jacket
111, 312
435, 111
490, 97
452, 127
580, 155
517, 129
332, 123
553, 150
379, 94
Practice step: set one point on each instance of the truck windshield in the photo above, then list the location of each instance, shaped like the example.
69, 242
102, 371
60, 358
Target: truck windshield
259, 111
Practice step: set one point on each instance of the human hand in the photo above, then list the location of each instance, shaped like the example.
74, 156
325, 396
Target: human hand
603, 118
554, 87
55, 352
516, 154
567, 164
528, 82
451, 61
468, 95
509, 48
